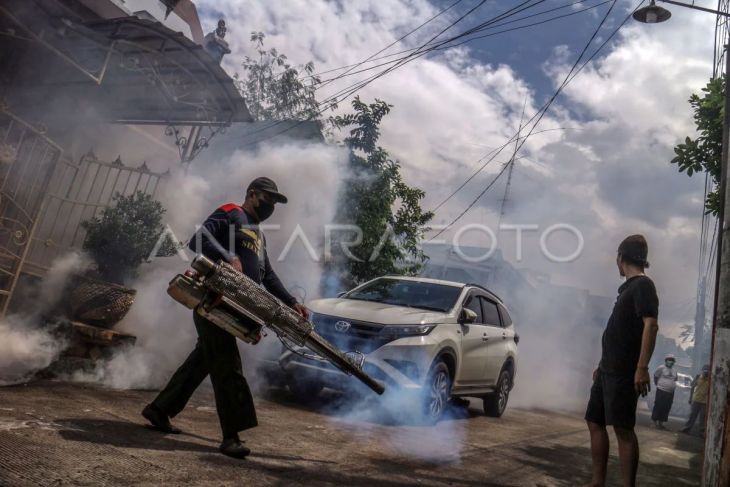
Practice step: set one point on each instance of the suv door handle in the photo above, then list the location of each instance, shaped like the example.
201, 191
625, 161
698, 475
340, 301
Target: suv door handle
485, 337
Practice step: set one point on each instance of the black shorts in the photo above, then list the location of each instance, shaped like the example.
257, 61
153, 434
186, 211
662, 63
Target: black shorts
613, 401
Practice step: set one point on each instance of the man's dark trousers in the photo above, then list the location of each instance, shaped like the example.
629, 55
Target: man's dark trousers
698, 410
215, 353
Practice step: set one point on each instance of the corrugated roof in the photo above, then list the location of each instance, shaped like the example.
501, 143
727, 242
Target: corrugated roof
125, 70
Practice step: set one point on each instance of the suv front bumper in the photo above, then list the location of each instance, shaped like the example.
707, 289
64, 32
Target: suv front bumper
401, 364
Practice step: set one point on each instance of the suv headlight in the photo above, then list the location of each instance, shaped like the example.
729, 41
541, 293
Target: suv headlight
399, 331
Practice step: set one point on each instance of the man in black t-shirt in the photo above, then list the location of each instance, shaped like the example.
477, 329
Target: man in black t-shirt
231, 234
623, 373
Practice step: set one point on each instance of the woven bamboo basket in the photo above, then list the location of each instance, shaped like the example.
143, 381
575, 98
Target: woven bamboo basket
97, 302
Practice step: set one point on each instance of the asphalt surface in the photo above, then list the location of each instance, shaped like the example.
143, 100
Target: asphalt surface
55, 433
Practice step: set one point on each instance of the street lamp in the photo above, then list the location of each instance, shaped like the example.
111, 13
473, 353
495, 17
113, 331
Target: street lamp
652, 14
716, 467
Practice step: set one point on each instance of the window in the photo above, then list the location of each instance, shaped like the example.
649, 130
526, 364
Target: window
412, 294
506, 318
473, 304
491, 315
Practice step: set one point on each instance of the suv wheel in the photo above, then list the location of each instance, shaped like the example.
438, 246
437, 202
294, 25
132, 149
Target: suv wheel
437, 391
496, 403
304, 390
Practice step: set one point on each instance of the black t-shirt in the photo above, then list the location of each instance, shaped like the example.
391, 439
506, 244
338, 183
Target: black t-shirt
637, 299
228, 232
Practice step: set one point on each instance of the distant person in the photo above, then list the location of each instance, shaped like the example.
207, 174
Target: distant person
623, 372
698, 396
665, 380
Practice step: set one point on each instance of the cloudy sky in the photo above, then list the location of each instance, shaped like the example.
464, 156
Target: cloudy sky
604, 168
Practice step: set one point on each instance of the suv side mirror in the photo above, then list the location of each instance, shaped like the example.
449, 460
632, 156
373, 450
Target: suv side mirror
467, 316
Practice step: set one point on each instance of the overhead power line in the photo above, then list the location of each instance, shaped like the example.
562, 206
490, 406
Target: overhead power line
497, 150
572, 73
344, 94
349, 91
450, 46
492, 26
420, 52
353, 66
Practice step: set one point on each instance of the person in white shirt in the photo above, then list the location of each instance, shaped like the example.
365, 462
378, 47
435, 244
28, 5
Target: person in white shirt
665, 380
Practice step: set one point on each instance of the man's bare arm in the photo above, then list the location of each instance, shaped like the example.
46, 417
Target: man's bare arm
648, 340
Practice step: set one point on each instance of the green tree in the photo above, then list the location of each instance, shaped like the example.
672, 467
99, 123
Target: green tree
704, 153
125, 234
376, 200
276, 90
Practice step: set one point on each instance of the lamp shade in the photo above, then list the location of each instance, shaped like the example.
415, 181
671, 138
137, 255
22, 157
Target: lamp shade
652, 14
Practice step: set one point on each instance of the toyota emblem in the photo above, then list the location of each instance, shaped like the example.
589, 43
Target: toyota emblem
342, 326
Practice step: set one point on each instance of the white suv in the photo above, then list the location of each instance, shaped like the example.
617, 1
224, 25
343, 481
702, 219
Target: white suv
433, 338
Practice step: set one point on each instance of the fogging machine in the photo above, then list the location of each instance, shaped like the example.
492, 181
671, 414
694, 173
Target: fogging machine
234, 302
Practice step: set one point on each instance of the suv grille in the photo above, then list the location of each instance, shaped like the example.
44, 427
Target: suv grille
361, 336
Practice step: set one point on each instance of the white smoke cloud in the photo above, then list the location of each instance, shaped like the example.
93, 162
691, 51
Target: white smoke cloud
164, 328
414, 437
27, 342
25, 350
622, 116
607, 173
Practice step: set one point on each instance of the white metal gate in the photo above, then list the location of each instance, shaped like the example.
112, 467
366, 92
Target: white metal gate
27, 161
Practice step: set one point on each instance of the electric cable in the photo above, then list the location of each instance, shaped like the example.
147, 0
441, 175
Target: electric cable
353, 66
575, 69
576, 12
349, 91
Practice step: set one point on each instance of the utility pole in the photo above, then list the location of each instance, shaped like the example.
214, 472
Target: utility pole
716, 470
700, 319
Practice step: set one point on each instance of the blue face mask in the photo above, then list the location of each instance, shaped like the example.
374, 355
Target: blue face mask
669, 363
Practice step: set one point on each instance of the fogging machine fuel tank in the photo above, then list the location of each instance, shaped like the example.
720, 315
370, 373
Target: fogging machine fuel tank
234, 302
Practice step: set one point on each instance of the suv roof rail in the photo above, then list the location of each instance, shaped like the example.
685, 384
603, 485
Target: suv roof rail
473, 284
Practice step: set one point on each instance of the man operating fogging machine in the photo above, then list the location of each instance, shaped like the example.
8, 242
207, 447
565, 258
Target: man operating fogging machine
216, 353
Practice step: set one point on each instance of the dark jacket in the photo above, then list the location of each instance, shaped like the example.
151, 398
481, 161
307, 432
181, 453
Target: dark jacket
229, 231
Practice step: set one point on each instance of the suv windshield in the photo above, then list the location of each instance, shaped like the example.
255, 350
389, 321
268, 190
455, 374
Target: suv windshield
412, 294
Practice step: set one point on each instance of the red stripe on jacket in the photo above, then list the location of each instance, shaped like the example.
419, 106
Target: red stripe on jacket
230, 207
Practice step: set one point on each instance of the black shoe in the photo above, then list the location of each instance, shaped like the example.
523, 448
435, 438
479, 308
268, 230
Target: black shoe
233, 448
159, 419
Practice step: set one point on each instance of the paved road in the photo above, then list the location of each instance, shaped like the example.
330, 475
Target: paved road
55, 433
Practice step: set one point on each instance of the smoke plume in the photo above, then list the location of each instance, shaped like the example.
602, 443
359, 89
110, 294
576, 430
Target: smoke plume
27, 343
395, 419
164, 329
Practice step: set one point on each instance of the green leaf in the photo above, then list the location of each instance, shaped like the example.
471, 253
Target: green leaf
122, 237
704, 154
377, 200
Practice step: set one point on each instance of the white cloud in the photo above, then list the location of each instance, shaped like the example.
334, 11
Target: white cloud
609, 177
